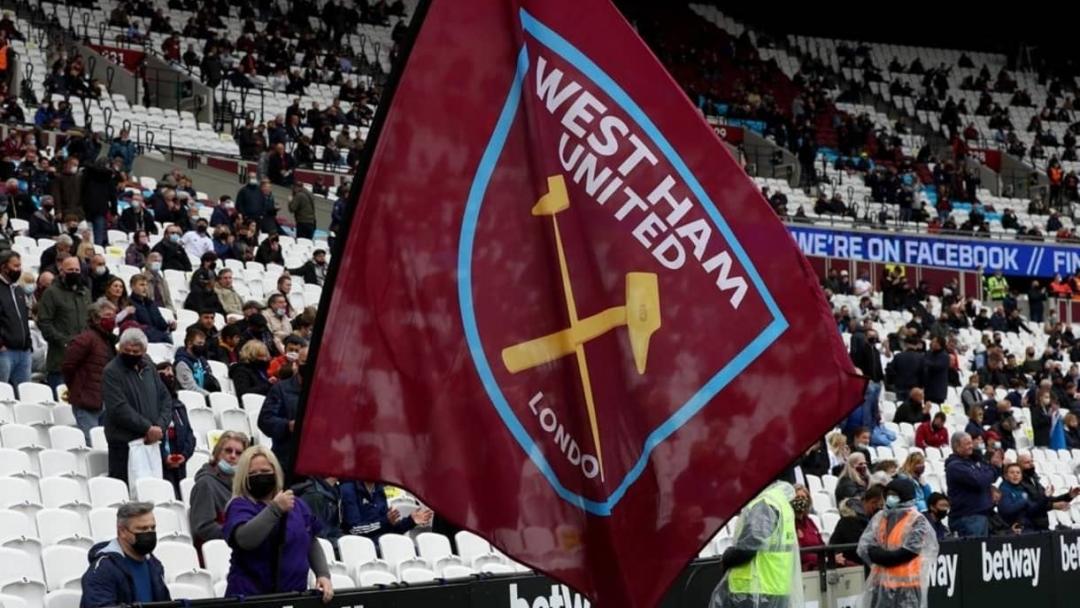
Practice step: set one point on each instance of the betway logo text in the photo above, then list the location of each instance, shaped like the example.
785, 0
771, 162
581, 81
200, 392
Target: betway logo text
1008, 563
943, 573
561, 597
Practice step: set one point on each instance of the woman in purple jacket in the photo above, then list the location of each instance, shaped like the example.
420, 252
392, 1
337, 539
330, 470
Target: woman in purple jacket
272, 535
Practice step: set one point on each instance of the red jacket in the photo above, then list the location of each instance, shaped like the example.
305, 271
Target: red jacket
84, 361
809, 536
926, 436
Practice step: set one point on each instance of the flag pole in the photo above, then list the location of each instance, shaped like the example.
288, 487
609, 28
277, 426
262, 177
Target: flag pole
397, 70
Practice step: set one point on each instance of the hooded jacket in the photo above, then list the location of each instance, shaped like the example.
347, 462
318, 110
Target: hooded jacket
107, 583
209, 496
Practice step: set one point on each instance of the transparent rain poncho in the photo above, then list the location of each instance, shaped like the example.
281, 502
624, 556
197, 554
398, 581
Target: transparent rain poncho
903, 585
773, 579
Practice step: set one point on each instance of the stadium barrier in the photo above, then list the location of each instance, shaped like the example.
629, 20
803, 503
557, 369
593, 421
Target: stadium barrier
1028, 570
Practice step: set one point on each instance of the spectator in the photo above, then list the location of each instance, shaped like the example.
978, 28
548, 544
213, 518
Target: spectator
1029, 480
43, 224
938, 510
281, 166
975, 422
936, 370
123, 570
323, 496
277, 419
969, 479
1017, 508
914, 409
147, 315
933, 433
65, 245
15, 340
157, 289
231, 302
138, 250
206, 324
84, 363
223, 243
137, 404
99, 276
135, 218
906, 368
250, 375
228, 345
1036, 300
267, 222
192, 369
365, 511
171, 250
213, 488
123, 148
283, 367
855, 514
179, 442
269, 251
62, 315
284, 288
202, 295
913, 469
854, 479
249, 200
314, 270
1072, 431
302, 206
98, 197
972, 395
67, 190
225, 212
806, 530
277, 319
264, 560
198, 242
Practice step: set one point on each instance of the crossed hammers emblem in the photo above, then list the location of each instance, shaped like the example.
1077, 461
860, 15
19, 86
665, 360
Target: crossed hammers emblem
640, 315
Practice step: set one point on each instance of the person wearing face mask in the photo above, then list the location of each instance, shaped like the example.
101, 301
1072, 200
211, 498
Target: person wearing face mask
98, 196
273, 535
213, 488
84, 363
1043, 409
250, 375
854, 479
932, 433
855, 514
805, 529
302, 206
138, 406
938, 510
123, 570
202, 296
158, 289
277, 418
62, 315
913, 469
761, 567
136, 218
99, 275
198, 241
192, 368
249, 200
173, 254
15, 339
969, 479
277, 319
179, 442
936, 371
223, 243
147, 314
138, 249
224, 213
901, 546
43, 223
64, 246
284, 367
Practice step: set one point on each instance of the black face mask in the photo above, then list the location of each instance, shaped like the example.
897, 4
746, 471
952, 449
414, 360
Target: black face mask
13, 275
73, 279
145, 542
941, 514
198, 351
262, 485
130, 360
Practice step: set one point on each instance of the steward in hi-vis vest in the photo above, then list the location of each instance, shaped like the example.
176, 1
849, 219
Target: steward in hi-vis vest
901, 546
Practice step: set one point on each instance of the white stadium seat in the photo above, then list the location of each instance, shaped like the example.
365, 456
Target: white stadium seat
64, 567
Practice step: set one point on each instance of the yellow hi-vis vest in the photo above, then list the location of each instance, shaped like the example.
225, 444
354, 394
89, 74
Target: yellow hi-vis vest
997, 287
774, 565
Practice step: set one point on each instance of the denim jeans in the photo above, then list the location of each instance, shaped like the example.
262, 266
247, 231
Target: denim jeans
86, 420
15, 367
970, 526
101, 232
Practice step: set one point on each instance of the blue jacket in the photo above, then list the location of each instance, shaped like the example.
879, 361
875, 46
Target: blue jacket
367, 513
922, 491
969, 482
149, 317
125, 150
1017, 506
106, 583
281, 405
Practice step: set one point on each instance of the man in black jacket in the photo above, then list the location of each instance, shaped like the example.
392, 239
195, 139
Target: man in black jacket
43, 224
15, 358
906, 368
855, 515
98, 197
314, 271
135, 217
173, 256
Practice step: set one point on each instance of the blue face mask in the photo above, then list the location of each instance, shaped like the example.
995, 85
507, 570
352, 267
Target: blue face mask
225, 467
892, 501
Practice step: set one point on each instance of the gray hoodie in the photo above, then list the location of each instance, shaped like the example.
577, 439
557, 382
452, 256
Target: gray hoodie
212, 491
